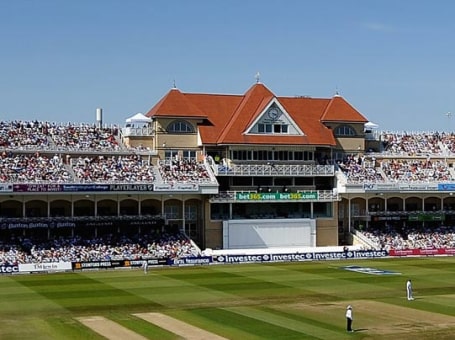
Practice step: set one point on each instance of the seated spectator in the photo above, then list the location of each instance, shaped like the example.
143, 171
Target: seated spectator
108, 247
414, 238
184, 171
412, 170
23, 135
112, 169
84, 137
32, 168
412, 144
360, 169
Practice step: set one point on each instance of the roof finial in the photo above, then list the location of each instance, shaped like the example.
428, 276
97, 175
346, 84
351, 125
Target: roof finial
174, 86
337, 93
258, 77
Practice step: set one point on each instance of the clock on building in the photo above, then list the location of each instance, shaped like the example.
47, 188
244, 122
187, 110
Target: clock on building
274, 113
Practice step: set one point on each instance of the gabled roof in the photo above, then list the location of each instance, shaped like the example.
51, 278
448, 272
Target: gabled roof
252, 103
228, 117
339, 110
175, 104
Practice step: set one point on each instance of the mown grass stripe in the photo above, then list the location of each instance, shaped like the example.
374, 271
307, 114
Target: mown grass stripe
165, 290
109, 329
140, 326
68, 329
24, 299
307, 293
307, 326
442, 304
233, 325
328, 323
78, 293
179, 327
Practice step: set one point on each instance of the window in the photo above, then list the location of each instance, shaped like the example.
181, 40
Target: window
189, 155
219, 211
191, 212
344, 130
280, 128
272, 128
171, 154
270, 155
180, 126
172, 211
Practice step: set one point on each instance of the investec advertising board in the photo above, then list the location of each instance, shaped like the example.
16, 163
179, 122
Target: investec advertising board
299, 257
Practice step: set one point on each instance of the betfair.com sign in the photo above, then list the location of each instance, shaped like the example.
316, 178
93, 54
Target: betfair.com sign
276, 196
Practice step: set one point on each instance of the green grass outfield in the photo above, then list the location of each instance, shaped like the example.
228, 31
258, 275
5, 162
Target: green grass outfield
242, 301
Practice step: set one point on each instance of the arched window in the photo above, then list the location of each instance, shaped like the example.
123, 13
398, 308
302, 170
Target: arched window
180, 126
344, 130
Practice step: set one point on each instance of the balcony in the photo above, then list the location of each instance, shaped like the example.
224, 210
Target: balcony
297, 170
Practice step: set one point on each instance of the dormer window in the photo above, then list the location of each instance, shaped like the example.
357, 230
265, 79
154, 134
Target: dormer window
345, 130
274, 120
272, 128
180, 126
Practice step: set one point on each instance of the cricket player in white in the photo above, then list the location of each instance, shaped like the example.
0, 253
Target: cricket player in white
145, 266
409, 290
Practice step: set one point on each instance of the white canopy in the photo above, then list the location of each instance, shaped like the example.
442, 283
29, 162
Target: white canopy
138, 118
371, 125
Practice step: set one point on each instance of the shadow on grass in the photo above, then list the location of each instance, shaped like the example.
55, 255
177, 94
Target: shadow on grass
360, 329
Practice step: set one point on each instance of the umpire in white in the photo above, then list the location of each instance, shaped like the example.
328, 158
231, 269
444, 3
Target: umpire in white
349, 319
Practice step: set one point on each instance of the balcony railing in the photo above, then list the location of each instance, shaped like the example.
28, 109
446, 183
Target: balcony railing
296, 170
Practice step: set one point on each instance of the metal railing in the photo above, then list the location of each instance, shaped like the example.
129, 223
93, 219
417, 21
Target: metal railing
297, 170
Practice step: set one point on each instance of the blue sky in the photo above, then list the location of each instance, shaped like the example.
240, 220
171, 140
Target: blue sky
392, 60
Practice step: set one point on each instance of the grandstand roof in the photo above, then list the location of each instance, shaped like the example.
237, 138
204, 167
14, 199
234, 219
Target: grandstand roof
227, 118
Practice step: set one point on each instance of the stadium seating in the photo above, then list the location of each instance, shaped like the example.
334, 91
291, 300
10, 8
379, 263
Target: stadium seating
423, 238
112, 169
108, 247
184, 171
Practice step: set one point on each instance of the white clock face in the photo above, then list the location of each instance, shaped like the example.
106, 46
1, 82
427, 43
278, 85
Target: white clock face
274, 113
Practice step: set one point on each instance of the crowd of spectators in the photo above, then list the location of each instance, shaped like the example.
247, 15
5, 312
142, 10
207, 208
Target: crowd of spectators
414, 144
26, 135
70, 163
184, 171
358, 169
85, 137
23, 135
109, 247
32, 168
406, 170
130, 168
413, 238
418, 143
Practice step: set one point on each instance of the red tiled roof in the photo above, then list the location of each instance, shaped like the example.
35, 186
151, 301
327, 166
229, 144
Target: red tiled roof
175, 104
227, 117
339, 110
